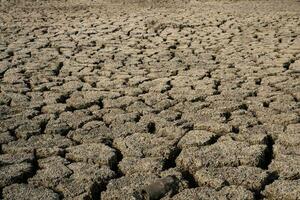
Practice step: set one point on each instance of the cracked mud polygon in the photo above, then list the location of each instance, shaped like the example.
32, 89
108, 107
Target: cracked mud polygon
171, 100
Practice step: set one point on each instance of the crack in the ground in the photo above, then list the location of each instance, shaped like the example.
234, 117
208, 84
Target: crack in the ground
97, 195
171, 161
272, 176
192, 183
35, 167
268, 153
1, 193
228, 70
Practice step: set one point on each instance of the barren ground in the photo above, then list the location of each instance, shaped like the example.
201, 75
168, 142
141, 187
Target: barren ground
101, 100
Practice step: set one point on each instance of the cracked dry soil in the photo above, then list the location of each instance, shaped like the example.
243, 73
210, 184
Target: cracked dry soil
100, 100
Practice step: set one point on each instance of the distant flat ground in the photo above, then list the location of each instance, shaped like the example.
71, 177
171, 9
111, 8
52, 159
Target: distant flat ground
174, 100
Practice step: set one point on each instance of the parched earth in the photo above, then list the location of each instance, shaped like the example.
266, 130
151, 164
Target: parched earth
160, 100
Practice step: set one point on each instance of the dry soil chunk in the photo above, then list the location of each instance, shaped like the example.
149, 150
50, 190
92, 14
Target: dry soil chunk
28, 192
51, 172
77, 118
131, 165
285, 118
8, 159
145, 144
196, 138
127, 187
226, 153
54, 108
286, 149
92, 153
6, 137
45, 145
84, 99
85, 181
251, 178
283, 190
287, 166
92, 172
4, 99
29, 129
57, 127
293, 128
13, 173
73, 188
215, 127
99, 132
72, 86
252, 139
289, 139
205, 193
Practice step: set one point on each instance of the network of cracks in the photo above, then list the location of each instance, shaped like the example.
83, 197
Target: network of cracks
130, 101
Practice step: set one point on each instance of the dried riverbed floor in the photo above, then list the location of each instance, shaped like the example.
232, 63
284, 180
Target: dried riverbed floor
98, 101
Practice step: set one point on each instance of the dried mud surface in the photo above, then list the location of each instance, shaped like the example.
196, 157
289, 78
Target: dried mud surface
101, 100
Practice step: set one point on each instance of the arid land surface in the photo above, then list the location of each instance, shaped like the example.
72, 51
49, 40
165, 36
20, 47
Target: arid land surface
174, 100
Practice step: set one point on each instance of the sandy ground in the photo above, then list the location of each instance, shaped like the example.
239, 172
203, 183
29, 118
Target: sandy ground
137, 100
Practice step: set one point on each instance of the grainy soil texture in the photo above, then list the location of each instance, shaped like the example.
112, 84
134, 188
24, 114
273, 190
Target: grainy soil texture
133, 100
